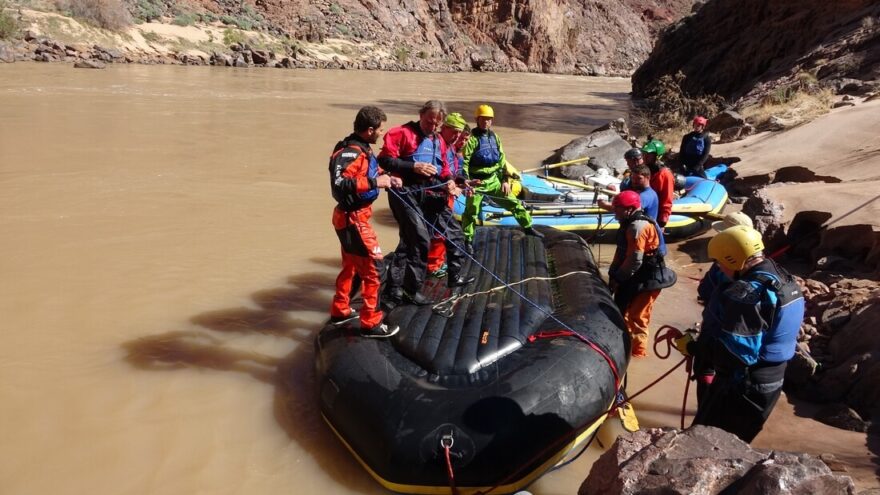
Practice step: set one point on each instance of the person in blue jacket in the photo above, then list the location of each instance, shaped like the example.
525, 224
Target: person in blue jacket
694, 149
748, 334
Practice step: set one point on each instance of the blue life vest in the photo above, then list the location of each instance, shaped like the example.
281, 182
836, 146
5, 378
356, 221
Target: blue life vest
428, 152
487, 153
786, 304
454, 164
695, 146
372, 173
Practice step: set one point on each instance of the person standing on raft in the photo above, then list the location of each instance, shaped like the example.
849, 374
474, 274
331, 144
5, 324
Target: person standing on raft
355, 180
484, 160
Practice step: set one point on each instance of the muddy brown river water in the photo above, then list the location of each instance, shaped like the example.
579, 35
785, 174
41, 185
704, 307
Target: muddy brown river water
167, 258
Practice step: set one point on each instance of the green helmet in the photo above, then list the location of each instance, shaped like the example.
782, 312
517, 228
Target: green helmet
655, 146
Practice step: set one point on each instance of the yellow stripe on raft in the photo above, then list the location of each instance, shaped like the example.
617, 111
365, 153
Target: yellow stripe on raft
444, 490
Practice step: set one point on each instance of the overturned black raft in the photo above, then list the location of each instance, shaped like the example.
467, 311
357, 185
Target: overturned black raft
510, 408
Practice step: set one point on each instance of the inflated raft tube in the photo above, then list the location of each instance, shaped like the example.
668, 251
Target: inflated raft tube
692, 214
508, 408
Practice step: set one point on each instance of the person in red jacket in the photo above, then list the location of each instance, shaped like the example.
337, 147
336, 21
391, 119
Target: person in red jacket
355, 179
417, 154
662, 180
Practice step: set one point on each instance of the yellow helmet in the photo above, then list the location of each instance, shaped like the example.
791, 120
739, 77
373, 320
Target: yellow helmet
485, 111
732, 247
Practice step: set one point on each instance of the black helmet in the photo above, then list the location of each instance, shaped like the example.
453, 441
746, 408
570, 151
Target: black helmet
633, 154
680, 182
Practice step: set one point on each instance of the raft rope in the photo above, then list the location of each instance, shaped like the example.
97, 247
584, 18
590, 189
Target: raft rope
446, 442
668, 334
522, 296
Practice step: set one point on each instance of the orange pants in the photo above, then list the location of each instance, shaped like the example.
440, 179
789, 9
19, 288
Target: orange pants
437, 247
638, 318
361, 255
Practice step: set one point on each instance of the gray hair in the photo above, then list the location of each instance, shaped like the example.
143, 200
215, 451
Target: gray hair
433, 105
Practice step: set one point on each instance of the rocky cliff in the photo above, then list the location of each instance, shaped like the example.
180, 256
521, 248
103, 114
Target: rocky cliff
598, 37
740, 49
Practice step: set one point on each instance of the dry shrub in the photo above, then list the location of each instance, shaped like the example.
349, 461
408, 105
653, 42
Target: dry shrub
793, 106
8, 23
107, 14
667, 109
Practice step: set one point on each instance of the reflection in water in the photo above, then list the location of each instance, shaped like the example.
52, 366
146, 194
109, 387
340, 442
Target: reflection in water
133, 198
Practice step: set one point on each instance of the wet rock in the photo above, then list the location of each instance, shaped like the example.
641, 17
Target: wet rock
89, 64
260, 57
768, 218
705, 460
840, 104
604, 147
773, 124
7, 53
725, 120
783, 473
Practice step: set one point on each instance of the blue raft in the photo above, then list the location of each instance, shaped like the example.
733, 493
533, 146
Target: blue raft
692, 213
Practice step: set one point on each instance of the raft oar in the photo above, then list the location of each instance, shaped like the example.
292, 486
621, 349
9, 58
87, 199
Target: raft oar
555, 165
574, 183
704, 209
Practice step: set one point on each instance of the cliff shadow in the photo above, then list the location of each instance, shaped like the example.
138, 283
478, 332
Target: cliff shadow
295, 403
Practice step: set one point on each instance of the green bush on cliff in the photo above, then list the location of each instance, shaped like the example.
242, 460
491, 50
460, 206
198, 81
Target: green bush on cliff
8, 23
147, 10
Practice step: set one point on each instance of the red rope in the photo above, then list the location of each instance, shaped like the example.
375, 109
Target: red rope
449, 471
668, 334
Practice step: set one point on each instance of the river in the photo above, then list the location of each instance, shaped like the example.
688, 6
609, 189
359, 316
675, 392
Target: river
168, 259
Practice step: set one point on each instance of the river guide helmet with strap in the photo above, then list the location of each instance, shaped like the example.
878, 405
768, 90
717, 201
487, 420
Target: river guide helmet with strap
632, 154
654, 146
732, 247
485, 111
455, 121
700, 120
627, 199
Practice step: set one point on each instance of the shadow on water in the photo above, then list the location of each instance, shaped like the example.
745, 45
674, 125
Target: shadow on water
295, 405
542, 117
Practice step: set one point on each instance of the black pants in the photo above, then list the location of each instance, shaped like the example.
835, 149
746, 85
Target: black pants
410, 259
741, 405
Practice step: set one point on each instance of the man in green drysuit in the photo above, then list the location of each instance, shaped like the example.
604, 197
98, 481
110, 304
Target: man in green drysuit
483, 159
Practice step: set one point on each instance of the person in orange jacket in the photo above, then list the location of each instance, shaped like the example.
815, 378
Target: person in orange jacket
355, 180
637, 265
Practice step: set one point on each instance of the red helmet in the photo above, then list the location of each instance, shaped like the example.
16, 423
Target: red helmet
700, 120
627, 199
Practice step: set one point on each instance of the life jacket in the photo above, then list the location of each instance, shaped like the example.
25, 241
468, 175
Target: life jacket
653, 274
788, 304
454, 162
354, 201
429, 151
782, 303
485, 161
695, 145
